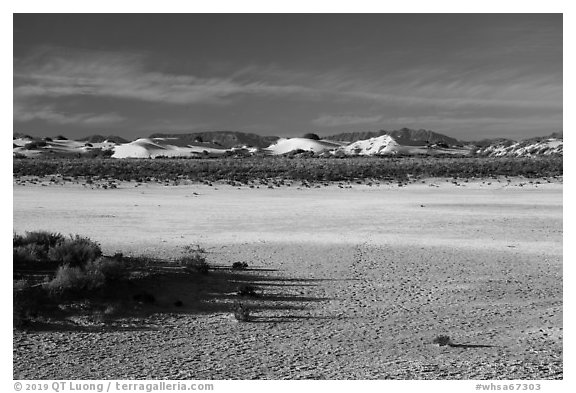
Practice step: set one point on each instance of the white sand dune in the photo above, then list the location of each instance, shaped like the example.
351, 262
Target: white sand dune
383, 144
64, 146
21, 141
551, 146
147, 148
286, 145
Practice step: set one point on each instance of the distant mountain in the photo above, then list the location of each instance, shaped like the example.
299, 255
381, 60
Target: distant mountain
18, 135
99, 139
355, 136
404, 136
491, 141
221, 139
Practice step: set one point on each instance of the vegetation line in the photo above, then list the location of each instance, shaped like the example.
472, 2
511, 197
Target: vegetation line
305, 169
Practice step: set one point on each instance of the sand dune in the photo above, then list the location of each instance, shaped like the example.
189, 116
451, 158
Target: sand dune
384, 144
381, 145
285, 145
148, 148
550, 146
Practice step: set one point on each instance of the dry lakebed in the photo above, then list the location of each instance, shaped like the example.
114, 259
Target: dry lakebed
355, 283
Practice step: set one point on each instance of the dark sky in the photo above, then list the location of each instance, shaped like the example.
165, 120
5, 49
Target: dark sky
470, 76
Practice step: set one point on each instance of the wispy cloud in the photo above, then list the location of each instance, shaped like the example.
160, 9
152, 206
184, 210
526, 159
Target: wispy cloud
75, 73
435, 96
48, 113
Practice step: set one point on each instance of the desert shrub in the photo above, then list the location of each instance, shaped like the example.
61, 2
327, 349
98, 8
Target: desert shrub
47, 139
247, 291
75, 251
303, 168
194, 248
239, 266
75, 280
112, 269
241, 312
43, 239
61, 138
28, 254
442, 340
195, 262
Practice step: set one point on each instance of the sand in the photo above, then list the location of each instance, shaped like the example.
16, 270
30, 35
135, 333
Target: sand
358, 281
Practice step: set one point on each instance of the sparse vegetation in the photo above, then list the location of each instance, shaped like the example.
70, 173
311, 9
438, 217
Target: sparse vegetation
75, 251
68, 276
75, 280
442, 340
241, 312
239, 266
42, 239
195, 263
247, 291
77, 266
194, 249
298, 169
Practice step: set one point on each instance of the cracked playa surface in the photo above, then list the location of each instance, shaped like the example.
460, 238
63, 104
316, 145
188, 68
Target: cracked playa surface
361, 281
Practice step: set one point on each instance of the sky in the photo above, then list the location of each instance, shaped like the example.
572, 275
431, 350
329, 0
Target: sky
469, 76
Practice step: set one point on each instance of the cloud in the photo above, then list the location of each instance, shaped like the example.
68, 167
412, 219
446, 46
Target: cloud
327, 120
51, 115
452, 95
57, 73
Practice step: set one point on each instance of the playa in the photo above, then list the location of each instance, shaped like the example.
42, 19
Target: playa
358, 281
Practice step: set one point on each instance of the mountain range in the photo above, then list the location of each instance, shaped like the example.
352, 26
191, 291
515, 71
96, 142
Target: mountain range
382, 142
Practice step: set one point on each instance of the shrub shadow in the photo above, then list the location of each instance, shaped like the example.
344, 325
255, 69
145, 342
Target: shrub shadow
160, 287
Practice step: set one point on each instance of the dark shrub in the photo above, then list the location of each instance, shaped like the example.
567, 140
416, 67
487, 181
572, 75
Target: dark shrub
43, 239
74, 280
241, 312
28, 254
195, 263
247, 291
61, 138
112, 269
194, 248
442, 340
239, 266
76, 251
